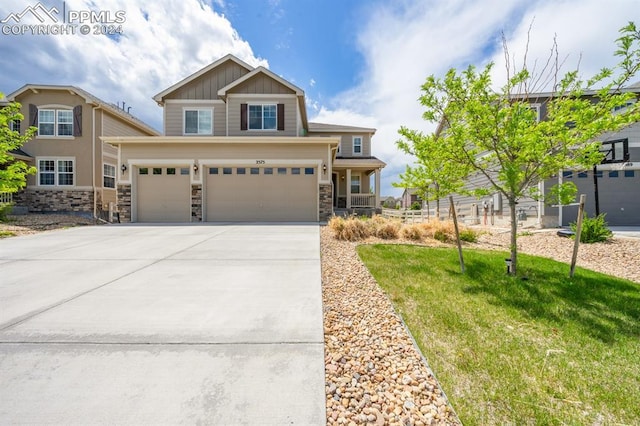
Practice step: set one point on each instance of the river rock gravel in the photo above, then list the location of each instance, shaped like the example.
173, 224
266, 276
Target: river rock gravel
374, 373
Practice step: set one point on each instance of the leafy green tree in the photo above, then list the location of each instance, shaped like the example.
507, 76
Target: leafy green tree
13, 173
497, 133
434, 176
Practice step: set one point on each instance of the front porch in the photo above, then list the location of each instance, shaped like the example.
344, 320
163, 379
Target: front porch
356, 183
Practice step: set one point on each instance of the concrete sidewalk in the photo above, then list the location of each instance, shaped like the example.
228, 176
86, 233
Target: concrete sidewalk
216, 324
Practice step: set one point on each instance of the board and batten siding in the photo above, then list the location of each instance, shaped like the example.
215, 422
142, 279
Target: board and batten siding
290, 115
263, 85
174, 117
206, 86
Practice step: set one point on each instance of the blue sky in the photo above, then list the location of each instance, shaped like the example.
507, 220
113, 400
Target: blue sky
360, 62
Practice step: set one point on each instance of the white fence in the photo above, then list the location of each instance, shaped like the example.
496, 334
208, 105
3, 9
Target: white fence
6, 197
363, 200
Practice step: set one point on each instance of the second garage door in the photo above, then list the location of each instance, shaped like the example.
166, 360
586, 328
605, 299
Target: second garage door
163, 194
269, 194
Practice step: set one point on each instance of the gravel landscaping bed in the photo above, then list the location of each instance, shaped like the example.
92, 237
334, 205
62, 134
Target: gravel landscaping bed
34, 223
374, 373
619, 257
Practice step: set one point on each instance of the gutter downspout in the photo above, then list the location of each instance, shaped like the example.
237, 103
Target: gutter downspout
93, 160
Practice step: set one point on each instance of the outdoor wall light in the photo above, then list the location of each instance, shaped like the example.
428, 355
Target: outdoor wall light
324, 168
123, 168
195, 168
342, 177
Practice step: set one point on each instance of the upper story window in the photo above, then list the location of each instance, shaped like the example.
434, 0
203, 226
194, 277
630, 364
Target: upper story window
536, 109
357, 145
263, 117
55, 122
56, 172
198, 121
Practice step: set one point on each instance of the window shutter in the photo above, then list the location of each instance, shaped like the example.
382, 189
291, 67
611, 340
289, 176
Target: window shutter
243, 117
33, 115
77, 120
280, 116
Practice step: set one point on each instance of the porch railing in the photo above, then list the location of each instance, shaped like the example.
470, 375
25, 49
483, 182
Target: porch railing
363, 200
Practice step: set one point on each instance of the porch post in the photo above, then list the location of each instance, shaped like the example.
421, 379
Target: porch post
348, 188
377, 188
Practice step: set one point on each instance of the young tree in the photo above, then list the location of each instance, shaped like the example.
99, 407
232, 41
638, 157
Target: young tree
497, 133
13, 172
434, 175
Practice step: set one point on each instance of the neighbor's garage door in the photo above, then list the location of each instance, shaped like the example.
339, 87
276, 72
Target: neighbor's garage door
268, 194
163, 194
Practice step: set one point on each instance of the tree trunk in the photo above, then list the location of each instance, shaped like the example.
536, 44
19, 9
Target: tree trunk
514, 235
437, 208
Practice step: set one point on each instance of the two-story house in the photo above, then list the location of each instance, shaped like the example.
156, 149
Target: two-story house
613, 187
237, 146
76, 171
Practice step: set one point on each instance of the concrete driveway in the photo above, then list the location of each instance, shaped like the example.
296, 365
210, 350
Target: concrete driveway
132, 324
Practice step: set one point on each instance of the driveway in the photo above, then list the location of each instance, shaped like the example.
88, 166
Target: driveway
132, 324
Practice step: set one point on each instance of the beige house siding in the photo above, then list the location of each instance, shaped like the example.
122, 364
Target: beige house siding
206, 86
290, 115
262, 84
346, 143
249, 153
174, 116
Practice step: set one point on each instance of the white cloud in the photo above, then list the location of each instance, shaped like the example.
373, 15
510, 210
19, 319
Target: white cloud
163, 42
312, 82
404, 44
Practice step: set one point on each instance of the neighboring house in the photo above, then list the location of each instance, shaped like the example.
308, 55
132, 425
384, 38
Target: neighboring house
238, 146
76, 171
618, 183
410, 196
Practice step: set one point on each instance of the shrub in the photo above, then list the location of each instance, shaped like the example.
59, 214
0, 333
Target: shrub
388, 230
469, 235
412, 232
5, 209
351, 229
594, 229
441, 235
416, 206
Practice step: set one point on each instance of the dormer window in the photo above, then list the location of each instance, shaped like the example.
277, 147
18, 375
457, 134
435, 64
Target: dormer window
198, 121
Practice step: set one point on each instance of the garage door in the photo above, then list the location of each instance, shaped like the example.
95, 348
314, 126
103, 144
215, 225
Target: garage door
270, 194
163, 194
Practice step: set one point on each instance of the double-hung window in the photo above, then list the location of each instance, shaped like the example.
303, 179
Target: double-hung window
263, 117
357, 145
355, 184
56, 172
14, 125
198, 121
55, 122
109, 176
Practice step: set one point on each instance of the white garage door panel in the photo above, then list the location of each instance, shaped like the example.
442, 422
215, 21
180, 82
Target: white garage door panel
163, 197
262, 197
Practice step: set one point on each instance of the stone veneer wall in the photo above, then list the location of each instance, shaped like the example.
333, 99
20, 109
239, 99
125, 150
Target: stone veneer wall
55, 200
196, 203
326, 202
124, 202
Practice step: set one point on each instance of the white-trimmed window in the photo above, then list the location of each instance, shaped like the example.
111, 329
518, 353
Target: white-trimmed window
198, 121
55, 122
536, 108
108, 175
14, 125
263, 117
56, 172
355, 184
357, 145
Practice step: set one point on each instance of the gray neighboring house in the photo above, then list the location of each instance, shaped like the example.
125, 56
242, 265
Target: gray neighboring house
618, 184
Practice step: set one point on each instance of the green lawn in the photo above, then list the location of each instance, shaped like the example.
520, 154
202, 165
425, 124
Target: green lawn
542, 350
